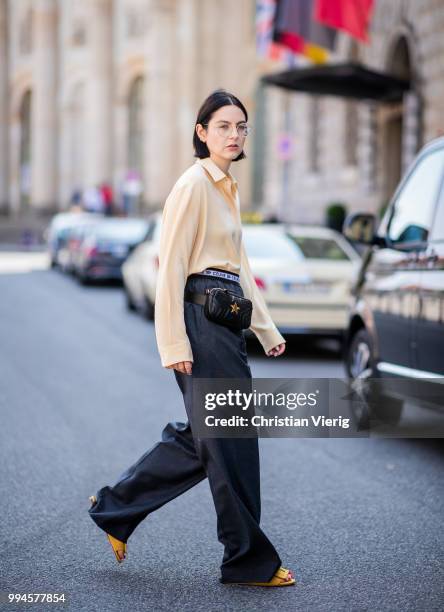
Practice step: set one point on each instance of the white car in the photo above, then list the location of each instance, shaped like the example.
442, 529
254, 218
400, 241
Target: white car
58, 233
139, 272
334, 266
309, 292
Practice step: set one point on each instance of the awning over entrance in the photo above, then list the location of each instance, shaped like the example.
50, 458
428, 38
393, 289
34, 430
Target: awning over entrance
348, 80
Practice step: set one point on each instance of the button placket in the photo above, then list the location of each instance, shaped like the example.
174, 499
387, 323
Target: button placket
229, 192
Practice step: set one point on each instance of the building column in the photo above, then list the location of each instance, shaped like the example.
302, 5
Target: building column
188, 28
163, 105
44, 108
4, 165
98, 147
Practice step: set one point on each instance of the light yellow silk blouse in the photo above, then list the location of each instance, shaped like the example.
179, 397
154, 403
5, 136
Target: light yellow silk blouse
201, 228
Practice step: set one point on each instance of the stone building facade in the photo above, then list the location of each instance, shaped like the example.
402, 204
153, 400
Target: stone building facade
355, 152
90, 89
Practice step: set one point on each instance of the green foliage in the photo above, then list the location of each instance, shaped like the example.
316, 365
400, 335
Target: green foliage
335, 214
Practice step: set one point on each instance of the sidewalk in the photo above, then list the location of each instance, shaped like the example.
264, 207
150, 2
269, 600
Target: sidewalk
15, 261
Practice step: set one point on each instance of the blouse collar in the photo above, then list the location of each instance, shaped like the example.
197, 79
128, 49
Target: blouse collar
216, 173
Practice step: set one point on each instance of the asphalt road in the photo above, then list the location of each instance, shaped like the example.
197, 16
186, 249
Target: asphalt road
83, 395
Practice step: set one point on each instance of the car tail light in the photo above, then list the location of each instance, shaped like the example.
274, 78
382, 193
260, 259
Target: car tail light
90, 251
260, 283
156, 262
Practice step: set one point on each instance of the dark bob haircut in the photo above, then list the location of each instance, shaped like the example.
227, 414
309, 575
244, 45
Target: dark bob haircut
215, 100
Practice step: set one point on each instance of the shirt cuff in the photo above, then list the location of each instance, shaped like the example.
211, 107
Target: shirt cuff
173, 353
270, 338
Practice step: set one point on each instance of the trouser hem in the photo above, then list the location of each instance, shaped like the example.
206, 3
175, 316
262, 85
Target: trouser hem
253, 575
121, 531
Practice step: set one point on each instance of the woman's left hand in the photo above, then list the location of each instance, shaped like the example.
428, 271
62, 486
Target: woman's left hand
277, 350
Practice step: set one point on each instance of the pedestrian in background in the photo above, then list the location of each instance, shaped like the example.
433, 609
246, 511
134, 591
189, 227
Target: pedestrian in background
76, 199
93, 200
107, 198
131, 191
201, 247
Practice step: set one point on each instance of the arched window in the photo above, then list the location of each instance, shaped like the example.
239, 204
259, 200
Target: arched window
399, 63
136, 124
25, 148
402, 121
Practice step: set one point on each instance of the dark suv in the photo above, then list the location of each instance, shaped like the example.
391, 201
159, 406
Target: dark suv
396, 323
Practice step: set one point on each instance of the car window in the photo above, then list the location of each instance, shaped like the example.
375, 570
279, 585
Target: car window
411, 216
320, 248
264, 245
133, 231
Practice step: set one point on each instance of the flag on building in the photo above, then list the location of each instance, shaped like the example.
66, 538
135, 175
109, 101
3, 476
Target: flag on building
265, 45
351, 16
296, 28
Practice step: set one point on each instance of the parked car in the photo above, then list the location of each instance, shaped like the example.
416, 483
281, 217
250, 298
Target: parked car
73, 245
306, 285
140, 270
333, 263
395, 331
104, 247
59, 232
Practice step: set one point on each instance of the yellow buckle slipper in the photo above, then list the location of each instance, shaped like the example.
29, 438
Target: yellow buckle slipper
116, 544
283, 577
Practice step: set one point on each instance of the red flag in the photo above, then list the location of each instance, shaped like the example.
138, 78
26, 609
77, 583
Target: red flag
296, 16
292, 41
353, 16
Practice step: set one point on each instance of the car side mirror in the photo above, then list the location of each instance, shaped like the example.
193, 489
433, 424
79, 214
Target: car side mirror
361, 227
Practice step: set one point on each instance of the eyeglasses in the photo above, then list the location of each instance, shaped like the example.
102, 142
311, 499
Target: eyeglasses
225, 129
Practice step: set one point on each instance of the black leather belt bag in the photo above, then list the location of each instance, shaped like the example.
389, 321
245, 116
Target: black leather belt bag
224, 307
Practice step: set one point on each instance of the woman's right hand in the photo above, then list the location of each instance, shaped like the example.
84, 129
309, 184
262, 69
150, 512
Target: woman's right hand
184, 367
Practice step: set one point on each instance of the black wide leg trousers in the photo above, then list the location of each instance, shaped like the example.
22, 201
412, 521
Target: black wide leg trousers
180, 460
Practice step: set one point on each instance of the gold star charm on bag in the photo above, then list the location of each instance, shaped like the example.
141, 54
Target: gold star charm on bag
234, 308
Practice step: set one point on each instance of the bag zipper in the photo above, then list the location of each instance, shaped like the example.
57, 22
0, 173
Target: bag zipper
213, 289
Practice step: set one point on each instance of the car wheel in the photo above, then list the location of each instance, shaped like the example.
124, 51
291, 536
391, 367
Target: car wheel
360, 366
149, 309
360, 360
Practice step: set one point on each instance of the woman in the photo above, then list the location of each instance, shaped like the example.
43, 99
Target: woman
201, 247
